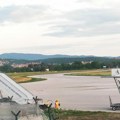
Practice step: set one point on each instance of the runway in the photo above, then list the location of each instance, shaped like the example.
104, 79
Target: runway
76, 92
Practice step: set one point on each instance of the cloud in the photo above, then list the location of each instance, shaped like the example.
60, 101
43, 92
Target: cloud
89, 22
22, 13
94, 16
74, 23
84, 1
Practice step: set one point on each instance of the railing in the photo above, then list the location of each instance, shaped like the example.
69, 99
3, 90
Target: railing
10, 88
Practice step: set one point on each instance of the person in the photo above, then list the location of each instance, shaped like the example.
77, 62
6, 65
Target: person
57, 104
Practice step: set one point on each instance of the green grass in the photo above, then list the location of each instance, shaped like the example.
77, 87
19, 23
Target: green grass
33, 80
87, 115
91, 73
84, 115
22, 77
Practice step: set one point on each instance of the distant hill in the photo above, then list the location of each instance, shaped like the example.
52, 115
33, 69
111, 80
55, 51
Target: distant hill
54, 59
24, 56
85, 59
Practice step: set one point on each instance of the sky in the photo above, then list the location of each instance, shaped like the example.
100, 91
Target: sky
71, 27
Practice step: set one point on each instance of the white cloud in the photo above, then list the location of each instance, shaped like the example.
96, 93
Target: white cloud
90, 22
22, 13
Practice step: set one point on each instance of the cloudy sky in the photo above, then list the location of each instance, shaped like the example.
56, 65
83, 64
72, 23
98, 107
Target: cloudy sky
74, 27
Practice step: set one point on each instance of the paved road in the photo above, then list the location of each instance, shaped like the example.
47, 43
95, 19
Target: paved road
76, 92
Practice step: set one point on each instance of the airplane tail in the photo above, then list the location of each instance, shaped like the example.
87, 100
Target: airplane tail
110, 101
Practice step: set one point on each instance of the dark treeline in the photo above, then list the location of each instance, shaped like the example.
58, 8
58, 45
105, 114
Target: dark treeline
30, 68
77, 65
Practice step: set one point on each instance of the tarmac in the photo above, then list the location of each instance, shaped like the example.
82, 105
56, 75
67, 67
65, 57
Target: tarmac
89, 93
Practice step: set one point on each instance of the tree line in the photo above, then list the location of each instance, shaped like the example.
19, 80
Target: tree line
77, 65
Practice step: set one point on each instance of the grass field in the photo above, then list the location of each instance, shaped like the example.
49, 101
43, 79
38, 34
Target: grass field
87, 115
22, 77
99, 72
